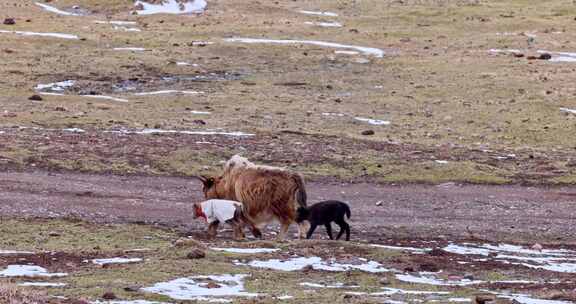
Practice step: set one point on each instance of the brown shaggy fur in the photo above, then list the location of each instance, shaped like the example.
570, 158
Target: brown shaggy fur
268, 193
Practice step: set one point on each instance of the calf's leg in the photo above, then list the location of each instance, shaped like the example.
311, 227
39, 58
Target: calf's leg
311, 230
329, 230
213, 229
344, 227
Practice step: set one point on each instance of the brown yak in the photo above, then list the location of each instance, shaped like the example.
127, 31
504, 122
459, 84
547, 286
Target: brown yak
267, 193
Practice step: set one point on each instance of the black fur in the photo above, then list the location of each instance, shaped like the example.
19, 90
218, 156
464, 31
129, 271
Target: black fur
323, 213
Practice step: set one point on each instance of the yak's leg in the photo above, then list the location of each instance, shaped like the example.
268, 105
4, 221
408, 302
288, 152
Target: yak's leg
255, 230
213, 229
303, 228
283, 231
237, 227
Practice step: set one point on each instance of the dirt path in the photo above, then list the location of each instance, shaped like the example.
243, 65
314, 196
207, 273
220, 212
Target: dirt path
496, 213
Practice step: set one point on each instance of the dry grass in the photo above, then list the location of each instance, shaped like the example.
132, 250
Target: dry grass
11, 294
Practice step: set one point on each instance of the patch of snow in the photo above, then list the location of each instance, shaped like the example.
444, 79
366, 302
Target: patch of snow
171, 7
347, 52
246, 250
42, 284
286, 297
117, 22
55, 10
116, 261
504, 51
527, 299
329, 14
28, 271
127, 29
51, 94
191, 288
167, 92
558, 260
200, 112
56, 86
411, 249
161, 131
75, 130
443, 162
324, 24
466, 249
467, 300
53, 35
366, 50
316, 263
105, 97
182, 63
333, 114
560, 56
426, 279
391, 291
375, 122
571, 111
13, 252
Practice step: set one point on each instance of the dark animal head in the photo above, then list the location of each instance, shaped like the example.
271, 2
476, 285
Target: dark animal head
210, 186
302, 214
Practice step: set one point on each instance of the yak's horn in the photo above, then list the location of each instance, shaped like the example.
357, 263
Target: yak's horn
203, 179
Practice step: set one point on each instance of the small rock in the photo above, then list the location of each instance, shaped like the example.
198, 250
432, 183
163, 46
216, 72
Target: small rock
384, 281
379, 203
307, 268
132, 288
438, 252
428, 267
9, 21
545, 56
35, 97
484, 299
537, 247
196, 254
109, 296
60, 109
53, 233
187, 242
368, 132
469, 276
211, 285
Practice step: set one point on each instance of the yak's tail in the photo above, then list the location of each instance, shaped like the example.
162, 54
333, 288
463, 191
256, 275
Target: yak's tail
301, 195
301, 198
347, 211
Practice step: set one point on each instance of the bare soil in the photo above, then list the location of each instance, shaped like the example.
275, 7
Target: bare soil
379, 212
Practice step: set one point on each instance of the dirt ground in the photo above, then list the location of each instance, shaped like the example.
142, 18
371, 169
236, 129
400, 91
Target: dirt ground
379, 212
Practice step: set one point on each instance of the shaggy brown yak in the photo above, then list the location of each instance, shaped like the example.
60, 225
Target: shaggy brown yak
267, 193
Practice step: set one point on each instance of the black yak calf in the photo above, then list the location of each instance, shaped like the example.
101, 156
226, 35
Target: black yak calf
323, 213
